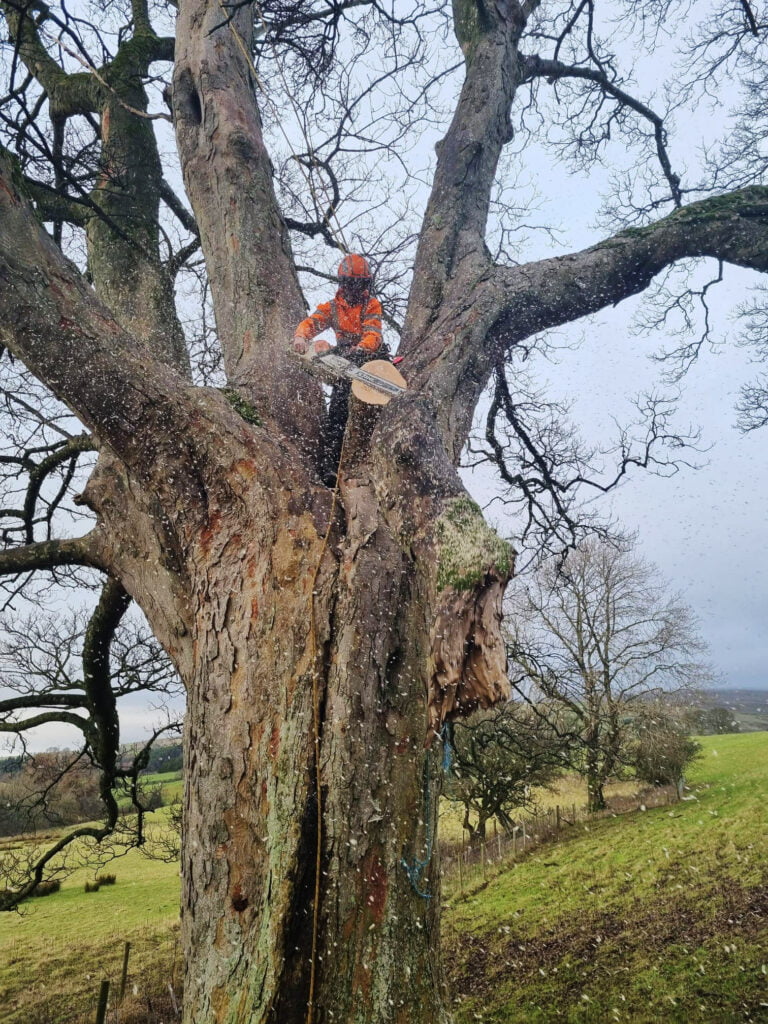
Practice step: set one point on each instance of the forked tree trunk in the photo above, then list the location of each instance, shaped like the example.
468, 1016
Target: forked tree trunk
281, 619
296, 654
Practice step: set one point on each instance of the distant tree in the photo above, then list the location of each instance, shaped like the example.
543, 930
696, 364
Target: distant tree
164, 756
660, 746
499, 756
61, 669
61, 788
592, 636
712, 721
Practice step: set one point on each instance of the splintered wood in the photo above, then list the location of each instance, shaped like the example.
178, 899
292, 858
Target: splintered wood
468, 653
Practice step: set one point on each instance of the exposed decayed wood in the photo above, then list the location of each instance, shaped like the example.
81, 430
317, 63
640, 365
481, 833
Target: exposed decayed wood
468, 654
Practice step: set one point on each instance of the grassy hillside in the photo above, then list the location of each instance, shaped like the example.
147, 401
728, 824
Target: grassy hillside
656, 916
56, 950
652, 916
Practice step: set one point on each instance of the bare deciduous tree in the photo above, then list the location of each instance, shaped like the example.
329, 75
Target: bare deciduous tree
498, 758
591, 640
308, 631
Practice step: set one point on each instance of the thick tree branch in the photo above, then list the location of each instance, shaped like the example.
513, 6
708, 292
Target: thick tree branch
52, 554
501, 308
103, 731
51, 319
538, 296
452, 236
52, 205
44, 718
40, 700
68, 94
228, 174
749, 14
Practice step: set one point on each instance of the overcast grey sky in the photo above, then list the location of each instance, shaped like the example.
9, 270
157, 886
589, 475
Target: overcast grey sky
704, 528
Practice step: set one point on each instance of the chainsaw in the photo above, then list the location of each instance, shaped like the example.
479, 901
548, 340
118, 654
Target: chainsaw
375, 383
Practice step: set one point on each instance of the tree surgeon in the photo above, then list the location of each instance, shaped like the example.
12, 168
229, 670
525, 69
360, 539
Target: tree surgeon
354, 315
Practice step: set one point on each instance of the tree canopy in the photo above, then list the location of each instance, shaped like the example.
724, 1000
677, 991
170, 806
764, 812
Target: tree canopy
148, 291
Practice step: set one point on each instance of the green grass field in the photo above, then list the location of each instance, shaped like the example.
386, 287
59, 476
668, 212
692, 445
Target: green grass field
650, 916
56, 950
654, 916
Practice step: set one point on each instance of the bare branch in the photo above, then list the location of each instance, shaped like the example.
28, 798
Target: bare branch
51, 554
749, 14
552, 70
732, 228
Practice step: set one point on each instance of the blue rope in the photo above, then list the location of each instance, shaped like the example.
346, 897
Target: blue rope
416, 869
446, 735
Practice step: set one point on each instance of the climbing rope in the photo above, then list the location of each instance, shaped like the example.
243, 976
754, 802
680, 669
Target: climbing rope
415, 869
316, 725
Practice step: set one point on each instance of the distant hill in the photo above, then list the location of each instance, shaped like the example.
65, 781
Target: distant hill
749, 708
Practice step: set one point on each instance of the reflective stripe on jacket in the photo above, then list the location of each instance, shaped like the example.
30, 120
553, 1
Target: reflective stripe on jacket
353, 325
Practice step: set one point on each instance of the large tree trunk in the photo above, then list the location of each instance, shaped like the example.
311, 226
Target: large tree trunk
306, 660
348, 624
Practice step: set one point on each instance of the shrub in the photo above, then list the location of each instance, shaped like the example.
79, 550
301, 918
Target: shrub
661, 749
106, 879
91, 886
47, 887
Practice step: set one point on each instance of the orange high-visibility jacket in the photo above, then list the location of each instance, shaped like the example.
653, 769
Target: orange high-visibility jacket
354, 325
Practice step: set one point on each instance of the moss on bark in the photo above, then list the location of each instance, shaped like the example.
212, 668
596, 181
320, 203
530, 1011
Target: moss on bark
468, 547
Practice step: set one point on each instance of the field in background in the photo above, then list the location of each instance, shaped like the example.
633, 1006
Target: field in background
650, 916
571, 790
654, 916
55, 950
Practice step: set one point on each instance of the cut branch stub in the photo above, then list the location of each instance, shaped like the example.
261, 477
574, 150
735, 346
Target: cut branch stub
469, 661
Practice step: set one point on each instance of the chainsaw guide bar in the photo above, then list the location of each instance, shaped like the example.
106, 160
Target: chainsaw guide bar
375, 383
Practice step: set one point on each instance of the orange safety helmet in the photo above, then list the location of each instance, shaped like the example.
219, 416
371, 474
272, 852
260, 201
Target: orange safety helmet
354, 266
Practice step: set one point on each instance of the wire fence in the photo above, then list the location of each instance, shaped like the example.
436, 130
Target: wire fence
464, 864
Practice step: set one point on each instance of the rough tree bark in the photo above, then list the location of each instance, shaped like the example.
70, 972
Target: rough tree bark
216, 527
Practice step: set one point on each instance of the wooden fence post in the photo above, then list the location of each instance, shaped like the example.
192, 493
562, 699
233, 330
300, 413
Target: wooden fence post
124, 975
101, 1012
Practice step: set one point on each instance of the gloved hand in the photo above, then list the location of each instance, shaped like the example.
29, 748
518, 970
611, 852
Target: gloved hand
321, 347
300, 346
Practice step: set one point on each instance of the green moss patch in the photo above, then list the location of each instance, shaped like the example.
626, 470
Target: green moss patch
468, 547
242, 406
